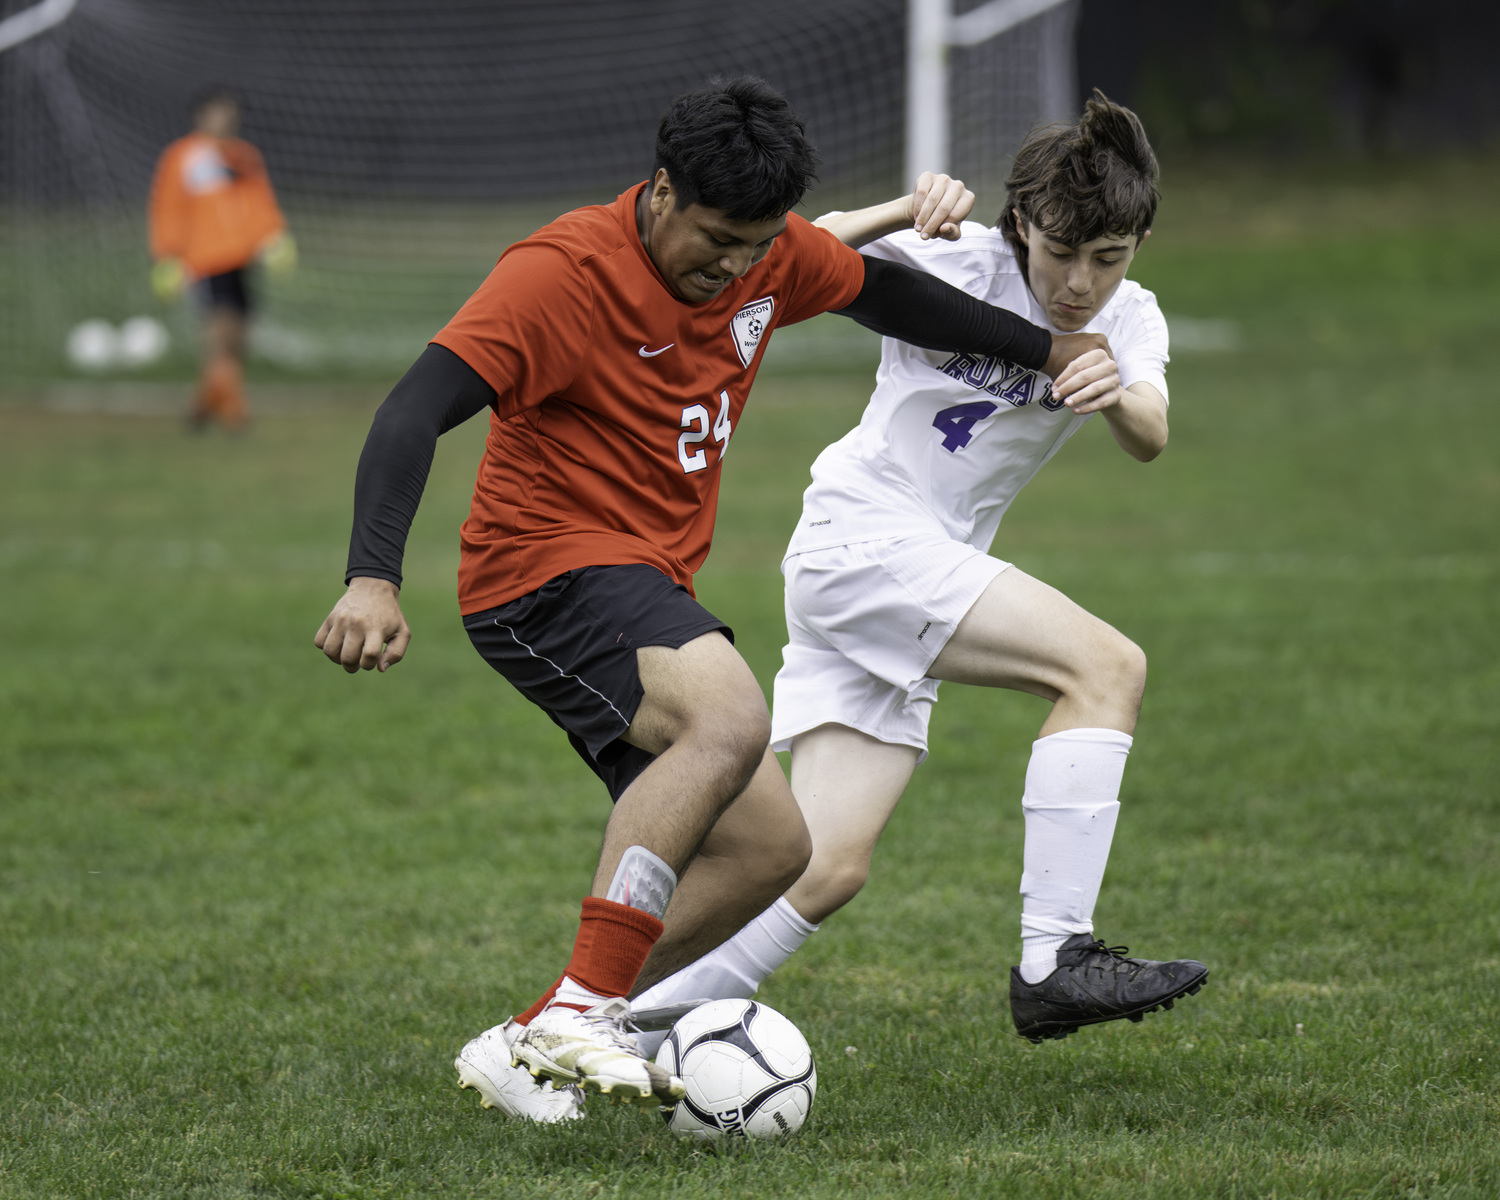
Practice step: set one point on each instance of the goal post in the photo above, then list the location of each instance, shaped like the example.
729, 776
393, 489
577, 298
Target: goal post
26, 24
934, 31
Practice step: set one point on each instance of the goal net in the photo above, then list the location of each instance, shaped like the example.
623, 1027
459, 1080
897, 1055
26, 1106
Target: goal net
410, 143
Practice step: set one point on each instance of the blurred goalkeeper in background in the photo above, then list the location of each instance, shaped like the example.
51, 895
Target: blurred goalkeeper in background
213, 214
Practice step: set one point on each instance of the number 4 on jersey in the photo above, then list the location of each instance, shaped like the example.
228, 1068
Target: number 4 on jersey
695, 429
956, 424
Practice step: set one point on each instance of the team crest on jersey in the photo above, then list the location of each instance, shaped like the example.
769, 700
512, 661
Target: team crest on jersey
204, 170
750, 325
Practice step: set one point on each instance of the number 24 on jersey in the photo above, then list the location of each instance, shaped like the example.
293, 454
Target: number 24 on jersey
696, 428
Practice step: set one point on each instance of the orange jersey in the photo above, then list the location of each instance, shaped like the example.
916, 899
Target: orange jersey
615, 400
211, 204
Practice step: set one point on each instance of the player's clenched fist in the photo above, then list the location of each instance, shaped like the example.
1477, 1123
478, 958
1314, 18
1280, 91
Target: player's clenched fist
938, 204
1084, 372
1066, 347
366, 627
1090, 382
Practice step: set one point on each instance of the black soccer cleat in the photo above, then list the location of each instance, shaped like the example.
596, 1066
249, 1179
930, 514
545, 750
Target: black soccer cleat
1095, 983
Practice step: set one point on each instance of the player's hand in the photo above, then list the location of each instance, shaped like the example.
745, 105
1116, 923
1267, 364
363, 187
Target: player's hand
1089, 383
167, 279
366, 627
938, 204
280, 254
1068, 346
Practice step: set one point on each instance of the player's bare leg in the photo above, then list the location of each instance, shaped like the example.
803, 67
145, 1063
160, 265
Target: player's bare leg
847, 784
1024, 635
705, 719
221, 384
753, 853
1020, 634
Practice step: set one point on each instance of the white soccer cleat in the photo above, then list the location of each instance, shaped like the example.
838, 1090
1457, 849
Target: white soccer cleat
485, 1065
593, 1050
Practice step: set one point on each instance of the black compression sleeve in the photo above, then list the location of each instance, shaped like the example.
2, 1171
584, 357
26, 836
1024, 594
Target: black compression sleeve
897, 301
439, 392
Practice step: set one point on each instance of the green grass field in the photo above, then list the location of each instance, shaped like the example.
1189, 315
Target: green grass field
250, 907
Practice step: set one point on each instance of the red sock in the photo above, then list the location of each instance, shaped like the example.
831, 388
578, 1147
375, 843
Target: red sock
612, 945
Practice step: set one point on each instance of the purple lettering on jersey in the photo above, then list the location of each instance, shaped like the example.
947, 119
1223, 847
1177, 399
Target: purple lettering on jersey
1017, 390
1014, 387
979, 374
969, 368
993, 375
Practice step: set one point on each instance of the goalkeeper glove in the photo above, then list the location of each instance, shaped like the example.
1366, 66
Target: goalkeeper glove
167, 279
280, 254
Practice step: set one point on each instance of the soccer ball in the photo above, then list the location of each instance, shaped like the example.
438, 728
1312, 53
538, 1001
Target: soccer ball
142, 341
748, 1070
93, 345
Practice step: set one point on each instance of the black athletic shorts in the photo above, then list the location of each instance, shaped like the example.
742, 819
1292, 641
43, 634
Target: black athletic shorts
569, 647
226, 290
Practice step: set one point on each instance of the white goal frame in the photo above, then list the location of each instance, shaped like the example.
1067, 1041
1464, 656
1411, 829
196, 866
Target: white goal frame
26, 24
932, 30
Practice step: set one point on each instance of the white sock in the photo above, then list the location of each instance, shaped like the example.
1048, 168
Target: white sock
734, 969
575, 995
1039, 954
1071, 802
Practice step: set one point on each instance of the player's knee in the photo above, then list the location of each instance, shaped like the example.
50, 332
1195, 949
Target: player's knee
1122, 675
1130, 670
781, 855
845, 884
834, 879
1111, 671
793, 853
739, 736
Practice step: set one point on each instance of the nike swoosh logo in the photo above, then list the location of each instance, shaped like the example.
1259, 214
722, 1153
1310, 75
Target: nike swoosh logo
644, 353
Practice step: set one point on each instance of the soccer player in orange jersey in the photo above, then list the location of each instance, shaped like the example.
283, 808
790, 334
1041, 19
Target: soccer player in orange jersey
213, 213
615, 349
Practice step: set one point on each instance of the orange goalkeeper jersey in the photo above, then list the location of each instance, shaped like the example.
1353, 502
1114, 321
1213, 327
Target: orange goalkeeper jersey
615, 400
211, 204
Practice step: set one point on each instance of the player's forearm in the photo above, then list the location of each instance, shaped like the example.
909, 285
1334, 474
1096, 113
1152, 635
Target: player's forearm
865, 225
899, 302
1139, 422
439, 392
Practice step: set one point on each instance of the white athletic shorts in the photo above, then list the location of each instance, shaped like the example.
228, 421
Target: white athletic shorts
864, 624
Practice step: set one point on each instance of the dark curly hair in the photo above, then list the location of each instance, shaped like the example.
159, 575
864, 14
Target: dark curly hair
1079, 182
736, 145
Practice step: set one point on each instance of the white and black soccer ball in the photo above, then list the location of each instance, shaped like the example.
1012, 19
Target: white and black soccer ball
748, 1070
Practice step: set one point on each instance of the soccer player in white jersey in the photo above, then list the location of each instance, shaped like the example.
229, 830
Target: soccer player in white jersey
890, 589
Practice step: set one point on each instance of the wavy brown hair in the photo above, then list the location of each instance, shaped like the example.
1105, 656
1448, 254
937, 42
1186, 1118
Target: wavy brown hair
1079, 182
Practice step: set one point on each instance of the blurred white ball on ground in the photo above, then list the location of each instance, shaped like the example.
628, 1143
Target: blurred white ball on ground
748, 1071
93, 345
142, 341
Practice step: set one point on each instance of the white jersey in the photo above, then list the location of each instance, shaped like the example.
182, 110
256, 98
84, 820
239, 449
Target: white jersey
952, 437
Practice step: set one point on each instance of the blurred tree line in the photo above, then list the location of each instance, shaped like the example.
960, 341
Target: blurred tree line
1352, 77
